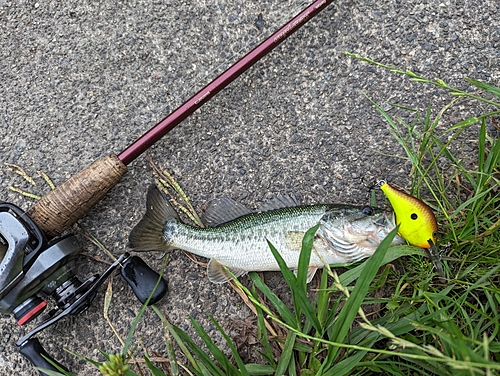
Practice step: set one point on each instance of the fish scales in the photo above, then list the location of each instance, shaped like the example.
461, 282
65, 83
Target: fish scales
243, 242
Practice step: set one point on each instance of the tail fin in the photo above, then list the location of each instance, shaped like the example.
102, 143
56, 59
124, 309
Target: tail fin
147, 235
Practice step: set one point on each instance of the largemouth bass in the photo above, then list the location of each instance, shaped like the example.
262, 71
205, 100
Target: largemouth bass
239, 239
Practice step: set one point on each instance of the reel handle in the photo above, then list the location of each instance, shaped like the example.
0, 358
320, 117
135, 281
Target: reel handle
60, 208
33, 350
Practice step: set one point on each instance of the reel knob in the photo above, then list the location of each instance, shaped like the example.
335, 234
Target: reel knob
142, 279
33, 350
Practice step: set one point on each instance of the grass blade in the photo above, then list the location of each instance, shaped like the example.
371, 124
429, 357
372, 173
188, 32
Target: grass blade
182, 345
174, 366
281, 307
286, 355
154, 370
206, 364
263, 333
212, 347
484, 86
241, 365
301, 302
305, 257
259, 369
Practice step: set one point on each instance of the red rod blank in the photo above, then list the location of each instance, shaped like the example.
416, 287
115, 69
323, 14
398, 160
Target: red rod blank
197, 100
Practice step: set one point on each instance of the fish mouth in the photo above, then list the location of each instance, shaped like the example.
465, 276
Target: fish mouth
392, 218
387, 220
398, 239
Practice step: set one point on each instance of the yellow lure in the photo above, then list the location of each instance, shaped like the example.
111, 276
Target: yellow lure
417, 223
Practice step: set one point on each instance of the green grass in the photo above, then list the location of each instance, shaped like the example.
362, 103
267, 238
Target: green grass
466, 199
374, 318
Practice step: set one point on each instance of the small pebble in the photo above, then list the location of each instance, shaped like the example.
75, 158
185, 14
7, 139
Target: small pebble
259, 24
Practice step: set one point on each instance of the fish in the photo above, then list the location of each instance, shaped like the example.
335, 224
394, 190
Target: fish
237, 238
417, 222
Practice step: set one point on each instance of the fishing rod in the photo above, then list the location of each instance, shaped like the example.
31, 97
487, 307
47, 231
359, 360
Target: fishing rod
35, 263
70, 201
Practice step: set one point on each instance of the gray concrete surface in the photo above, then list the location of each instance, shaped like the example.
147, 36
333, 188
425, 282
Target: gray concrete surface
79, 80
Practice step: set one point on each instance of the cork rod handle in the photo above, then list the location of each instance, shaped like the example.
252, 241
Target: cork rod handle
70, 201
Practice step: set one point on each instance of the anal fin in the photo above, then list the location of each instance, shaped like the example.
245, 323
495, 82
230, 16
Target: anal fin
311, 272
217, 272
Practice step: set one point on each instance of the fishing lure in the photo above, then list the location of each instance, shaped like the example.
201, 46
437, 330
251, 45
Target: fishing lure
417, 223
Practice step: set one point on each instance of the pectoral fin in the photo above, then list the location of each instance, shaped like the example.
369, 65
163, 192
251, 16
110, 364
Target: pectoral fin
294, 240
217, 272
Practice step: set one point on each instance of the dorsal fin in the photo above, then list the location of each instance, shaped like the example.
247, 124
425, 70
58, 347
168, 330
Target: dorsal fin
222, 210
279, 202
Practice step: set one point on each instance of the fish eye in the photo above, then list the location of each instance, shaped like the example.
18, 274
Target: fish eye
414, 216
434, 234
367, 210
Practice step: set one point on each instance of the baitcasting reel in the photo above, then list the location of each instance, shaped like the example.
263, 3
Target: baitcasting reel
33, 269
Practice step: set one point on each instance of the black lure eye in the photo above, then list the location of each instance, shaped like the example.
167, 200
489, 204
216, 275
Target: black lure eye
367, 210
414, 216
